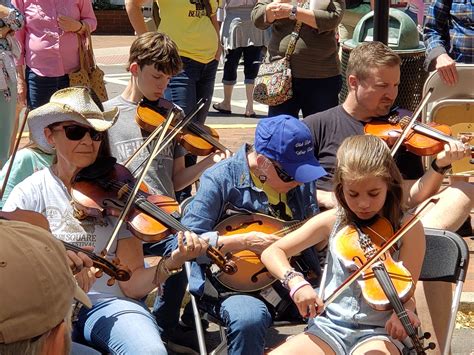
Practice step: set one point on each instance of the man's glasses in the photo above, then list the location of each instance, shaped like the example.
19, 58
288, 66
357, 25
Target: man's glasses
282, 174
76, 133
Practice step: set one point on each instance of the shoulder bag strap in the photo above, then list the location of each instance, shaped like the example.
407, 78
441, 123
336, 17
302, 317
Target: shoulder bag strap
294, 37
89, 51
82, 59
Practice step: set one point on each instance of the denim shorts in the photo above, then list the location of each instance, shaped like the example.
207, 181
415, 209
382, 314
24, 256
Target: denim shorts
344, 340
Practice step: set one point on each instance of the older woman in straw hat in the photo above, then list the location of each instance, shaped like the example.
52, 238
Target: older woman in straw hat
73, 126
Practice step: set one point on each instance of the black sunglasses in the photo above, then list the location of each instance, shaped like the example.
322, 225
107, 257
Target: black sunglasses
76, 133
282, 174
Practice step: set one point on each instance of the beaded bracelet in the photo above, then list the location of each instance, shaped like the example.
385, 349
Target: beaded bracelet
297, 287
289, 274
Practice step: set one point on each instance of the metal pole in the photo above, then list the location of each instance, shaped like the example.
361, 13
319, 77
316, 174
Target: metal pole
381, 8
197, 316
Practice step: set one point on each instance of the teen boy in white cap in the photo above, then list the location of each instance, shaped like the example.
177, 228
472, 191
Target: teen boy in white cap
37, 291
274, 177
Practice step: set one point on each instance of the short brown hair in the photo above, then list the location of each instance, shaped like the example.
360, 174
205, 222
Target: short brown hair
368, 55
157, 49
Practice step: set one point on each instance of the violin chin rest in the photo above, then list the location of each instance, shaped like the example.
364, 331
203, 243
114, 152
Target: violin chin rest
101, 167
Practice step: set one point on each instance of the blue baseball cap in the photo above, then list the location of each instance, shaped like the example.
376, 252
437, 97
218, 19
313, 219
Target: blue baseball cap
288, 141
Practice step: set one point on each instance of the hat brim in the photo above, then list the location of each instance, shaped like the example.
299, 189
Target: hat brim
51, 113
305, 172
81, 296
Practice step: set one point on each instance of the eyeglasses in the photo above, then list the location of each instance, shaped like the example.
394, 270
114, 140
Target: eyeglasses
76, 133
282, 174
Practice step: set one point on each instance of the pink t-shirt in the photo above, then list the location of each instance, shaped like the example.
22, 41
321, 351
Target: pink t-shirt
46, 49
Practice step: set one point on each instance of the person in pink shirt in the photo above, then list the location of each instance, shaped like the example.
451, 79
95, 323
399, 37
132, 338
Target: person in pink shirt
50, 45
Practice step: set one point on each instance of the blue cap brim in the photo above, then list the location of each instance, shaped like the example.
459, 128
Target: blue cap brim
305, 172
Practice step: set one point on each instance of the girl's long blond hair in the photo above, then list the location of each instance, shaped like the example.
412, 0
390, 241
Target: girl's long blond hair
362, 156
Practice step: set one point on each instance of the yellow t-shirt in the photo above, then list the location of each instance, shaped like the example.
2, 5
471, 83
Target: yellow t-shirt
185, 21
274, 198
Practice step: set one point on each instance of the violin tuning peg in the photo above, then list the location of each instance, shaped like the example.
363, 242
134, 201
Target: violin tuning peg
431, 346
426, 335
99, 273
111, 281
116, 261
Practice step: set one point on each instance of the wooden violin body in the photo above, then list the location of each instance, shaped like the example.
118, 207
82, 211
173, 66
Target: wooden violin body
422, 139
106, 195
252, 274
353, 249
196, 138
113, 269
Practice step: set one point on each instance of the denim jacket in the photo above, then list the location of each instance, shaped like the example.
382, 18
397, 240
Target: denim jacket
228, 184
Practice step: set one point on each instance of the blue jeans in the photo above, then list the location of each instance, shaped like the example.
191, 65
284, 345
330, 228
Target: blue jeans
252, 58
119, 326
167, 306
196, 81
40, 88
247, 319
310, 96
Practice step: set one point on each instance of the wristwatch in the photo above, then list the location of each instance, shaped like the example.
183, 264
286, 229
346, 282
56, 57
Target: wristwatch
293, 12
439, 170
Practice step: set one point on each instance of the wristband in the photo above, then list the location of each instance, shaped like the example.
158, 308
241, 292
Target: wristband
297, 287
439, 170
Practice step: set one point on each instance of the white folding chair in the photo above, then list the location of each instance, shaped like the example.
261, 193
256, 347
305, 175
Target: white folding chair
463, 88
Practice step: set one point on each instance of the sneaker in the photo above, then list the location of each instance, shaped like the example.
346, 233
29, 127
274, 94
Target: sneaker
183, 341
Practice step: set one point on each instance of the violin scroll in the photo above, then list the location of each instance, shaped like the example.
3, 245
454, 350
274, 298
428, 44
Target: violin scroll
113, 269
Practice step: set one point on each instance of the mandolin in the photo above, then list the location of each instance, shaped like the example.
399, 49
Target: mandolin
252, 275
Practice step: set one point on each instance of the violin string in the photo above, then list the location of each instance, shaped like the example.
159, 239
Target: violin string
206, 136
163, 216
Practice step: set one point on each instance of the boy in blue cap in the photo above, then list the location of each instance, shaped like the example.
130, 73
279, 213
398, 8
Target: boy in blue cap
275, 177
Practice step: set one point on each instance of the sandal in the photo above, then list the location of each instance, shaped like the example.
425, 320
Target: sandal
221, 110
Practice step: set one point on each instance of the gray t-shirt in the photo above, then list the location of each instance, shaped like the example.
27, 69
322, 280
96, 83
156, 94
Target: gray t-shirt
45, 193
125, 137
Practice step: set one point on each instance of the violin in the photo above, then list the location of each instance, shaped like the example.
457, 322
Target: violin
113, 269
104, 187
422, 139
386, 284
196, 138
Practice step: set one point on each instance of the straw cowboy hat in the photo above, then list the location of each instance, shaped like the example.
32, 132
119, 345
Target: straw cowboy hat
70, 104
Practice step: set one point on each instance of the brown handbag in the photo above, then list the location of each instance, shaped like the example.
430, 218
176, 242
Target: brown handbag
89, 74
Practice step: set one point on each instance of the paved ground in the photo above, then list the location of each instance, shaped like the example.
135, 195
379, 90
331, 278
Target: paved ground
112, 52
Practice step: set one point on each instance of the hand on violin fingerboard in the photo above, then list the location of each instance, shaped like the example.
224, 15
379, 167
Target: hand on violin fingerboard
395, 328
78, 261
219, 155
190, 246
452, 152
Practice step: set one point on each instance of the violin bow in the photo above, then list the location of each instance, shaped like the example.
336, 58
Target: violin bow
397, 236
136, 187
13, 155
410, 124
